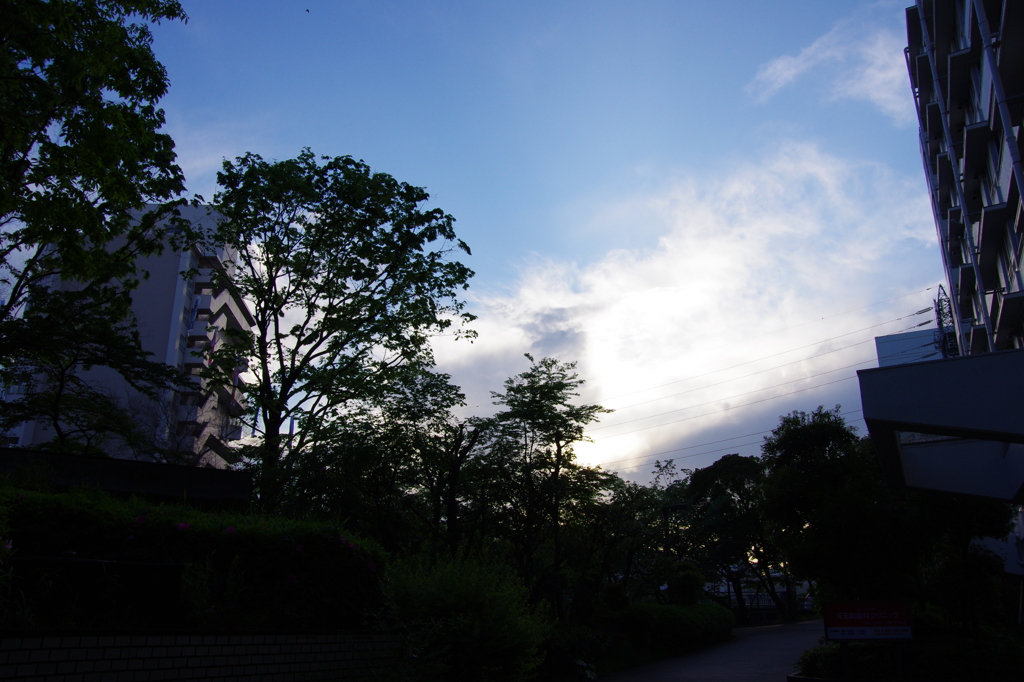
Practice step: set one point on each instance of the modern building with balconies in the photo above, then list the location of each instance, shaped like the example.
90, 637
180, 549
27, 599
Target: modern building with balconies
182, 310
966, 63
954, 424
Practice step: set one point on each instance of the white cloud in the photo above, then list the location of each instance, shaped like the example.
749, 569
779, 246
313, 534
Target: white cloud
862, 58
781, 71
880, 77
784, 243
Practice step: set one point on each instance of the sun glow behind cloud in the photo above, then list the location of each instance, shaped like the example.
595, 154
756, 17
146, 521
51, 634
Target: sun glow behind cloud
705, 293
751, 265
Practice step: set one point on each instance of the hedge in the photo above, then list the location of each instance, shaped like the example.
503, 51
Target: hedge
84, 559
633, 635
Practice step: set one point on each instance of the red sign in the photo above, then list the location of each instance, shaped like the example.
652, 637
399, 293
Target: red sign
868, 620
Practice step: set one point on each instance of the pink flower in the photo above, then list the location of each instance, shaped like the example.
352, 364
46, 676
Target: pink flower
292, 578
230, 530
9, 545
184, 526
372, 566
139, 520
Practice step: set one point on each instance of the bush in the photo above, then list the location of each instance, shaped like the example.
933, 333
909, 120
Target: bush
633, 636
138, 564
990, 655
467, 621
685, 584
666, 630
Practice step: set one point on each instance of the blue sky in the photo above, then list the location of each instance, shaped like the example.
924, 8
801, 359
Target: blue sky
701, 203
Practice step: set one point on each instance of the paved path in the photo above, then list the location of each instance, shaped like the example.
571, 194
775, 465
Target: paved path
763, 654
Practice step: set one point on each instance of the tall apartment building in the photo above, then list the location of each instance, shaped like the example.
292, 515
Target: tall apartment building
954, 424
178, 318
966, 63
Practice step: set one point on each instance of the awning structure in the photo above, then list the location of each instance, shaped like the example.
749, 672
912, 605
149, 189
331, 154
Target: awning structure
955, 425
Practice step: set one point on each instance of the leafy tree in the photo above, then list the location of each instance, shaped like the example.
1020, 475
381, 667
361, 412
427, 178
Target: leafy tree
392, 465
829, 512
80, 144
81, 158
724, 526
66, 333
349, 277
837, 523
531, 447
608, 526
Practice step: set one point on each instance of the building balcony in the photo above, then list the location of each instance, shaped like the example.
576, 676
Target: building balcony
1015, 201
193, 390
933, 121
1011, 54
217, 255
989, 235
237, 312
923, 69
954, 253
1008, 321
194, 359
959, 87
943, 30
955, 223
977, 340
975, 155
204, 277
966, 281
190, 429
944, 171
201, 333
914, 37
203, 304
232, 399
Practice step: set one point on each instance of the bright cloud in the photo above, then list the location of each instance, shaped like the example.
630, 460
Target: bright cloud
752, 265
863, 58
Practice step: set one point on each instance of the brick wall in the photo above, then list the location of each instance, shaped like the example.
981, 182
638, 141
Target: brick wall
245, 658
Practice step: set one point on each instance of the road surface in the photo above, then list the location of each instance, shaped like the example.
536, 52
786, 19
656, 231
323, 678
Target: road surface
762, 654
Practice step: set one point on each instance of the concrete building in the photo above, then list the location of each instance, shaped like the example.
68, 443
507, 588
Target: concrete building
178, 318
966, 63
899, 349
954, 423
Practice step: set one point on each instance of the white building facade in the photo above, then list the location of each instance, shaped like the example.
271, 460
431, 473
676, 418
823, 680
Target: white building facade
181, 312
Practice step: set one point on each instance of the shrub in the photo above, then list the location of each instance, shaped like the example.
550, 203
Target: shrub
468, 621
664, 630
633, 635
685, 584
158, 565
989, 655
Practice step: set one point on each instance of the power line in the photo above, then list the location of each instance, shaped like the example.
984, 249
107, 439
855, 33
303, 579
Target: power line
738, 395
816, 343
700, 445
696, 454
802, 324
646, 462
744, 376
727, 409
